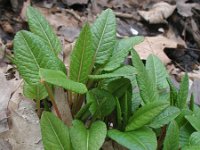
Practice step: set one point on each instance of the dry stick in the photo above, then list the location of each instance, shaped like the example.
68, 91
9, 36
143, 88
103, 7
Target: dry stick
161, 138
50, 93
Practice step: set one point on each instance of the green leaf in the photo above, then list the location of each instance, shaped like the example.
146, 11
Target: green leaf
81, 60
165, 117
185, 132
181, 117
147, 86
141, 139
173, 93
87, 139
195, 139
121, 51
146, 114
125, 71
83, 110
104, 35
31, 54
37, 92
194, 120
193, 147
119, 113
39, 25
183, 92
118, 87
55, 134
60, 79
171, 141
102, 101
157, 72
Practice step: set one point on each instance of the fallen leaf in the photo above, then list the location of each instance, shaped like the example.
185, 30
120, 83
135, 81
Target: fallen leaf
6, 26
72, 2
24, 8
185, 9
155, 45
69, 33
158, 13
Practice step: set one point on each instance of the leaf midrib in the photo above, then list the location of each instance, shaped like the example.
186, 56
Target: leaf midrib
44, 33
138, 141
82, 55
55, 134
30, 51
100, 41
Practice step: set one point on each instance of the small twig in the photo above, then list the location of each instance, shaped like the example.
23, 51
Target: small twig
125, 15
73, 13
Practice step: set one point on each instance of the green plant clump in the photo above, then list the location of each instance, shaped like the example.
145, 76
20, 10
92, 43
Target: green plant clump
135, 106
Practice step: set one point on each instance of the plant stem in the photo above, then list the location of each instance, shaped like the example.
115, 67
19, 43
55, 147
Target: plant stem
50, 93
38, 108
161, 137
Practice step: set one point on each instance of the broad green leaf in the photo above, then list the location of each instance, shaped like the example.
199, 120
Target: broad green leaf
185, 133
31, 54
87, 139
102, 101
147, 86
118, 87
55, 134
181, 117
125, 71
121, 51
39, 25
183, 92
165, 117
141, 139
157, 72
104, 36
81, 60
171, 141
195, 139
37, 92
193, 147
146, 114
60, 79
194, 120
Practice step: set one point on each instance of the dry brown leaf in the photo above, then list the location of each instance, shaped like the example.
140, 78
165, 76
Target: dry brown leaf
158, 13
7, 87
6, 26
24, 8
155, 45
185, 9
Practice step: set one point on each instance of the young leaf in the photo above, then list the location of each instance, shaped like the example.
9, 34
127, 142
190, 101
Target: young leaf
146, 114
87, 139
165, 117
55, 134
171, 141
147, 86
37, 92
192, 147
119, 113
157, 72
82, 56
125, 71
173, 93
31, 54
194, 121
121, 51
183, 92
185, 132
60, 79
141, 139
104, 35
195, 139
102, 101
39, 25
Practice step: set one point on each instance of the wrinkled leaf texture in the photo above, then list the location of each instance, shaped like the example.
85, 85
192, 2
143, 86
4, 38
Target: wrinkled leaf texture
104, 36
39, 25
